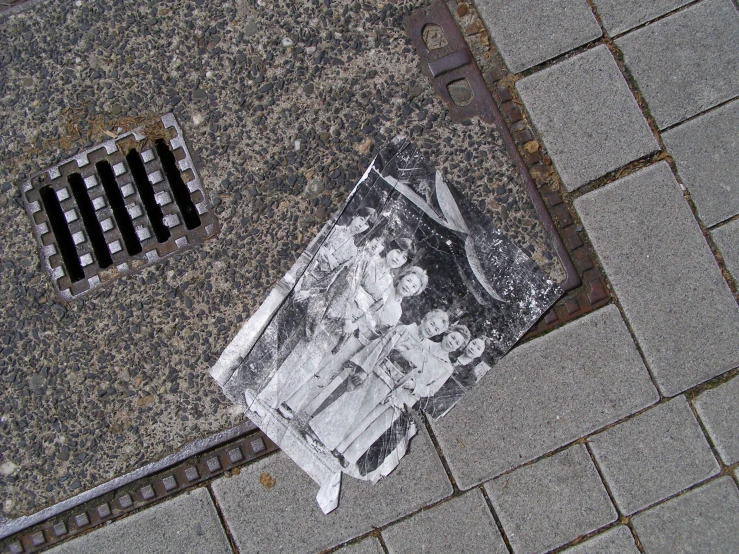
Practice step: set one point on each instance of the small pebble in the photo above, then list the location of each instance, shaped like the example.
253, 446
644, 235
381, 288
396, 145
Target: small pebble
250, 28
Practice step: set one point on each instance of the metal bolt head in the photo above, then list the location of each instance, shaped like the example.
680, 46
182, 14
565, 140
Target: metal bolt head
81, 519
147, 492
125, 501
38, 538
59, 529
170, 483
235, 455
213, 464
257, 445
103, 510
191, 473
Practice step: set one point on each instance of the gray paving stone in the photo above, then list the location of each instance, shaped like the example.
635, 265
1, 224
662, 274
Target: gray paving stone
550, 503
706, 151
685, 63
702, 521
719, 411
187, 523
543, 395
654, 455
587, 116
727, 240
528, 32
665, 276
461, 525
286, 517
370, 545
617, 540
618, 16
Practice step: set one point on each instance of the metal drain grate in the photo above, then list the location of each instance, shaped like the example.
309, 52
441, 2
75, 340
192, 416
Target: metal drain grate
117, 207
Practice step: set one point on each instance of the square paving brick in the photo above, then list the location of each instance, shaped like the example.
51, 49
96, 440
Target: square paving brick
370, 545
528, 32
186, 523
545, 394
617, 540
685, 63
706, 151
704, 520
654, 455
719, 411
664, 274
587, 116
461, 525
286, 517
726, 238
619, 16
550, 503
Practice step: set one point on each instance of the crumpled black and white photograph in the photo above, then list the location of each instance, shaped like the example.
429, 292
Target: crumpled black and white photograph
403, 302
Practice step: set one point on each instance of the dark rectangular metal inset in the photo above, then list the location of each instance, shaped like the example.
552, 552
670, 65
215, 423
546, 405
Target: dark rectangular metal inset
117, 207
449, 62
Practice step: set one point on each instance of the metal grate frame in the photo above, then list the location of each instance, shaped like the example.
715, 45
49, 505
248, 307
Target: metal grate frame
176, 213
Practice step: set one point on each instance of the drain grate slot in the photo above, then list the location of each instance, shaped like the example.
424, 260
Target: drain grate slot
92, 225
63, 235
118, 205
146, 193
178, 186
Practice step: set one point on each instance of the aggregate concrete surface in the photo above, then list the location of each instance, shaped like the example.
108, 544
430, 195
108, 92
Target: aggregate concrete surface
706, 153
587, 116
614, 434
463, 524
283, 108
654, 455
285, 517
550, 503
672, 291
685, 64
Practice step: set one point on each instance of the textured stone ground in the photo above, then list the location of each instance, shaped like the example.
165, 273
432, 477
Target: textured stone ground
624, 439
283, 108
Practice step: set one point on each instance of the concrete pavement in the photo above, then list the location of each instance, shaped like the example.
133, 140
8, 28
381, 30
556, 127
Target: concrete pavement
628, 446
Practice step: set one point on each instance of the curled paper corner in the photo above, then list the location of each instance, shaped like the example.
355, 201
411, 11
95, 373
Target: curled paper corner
328, 494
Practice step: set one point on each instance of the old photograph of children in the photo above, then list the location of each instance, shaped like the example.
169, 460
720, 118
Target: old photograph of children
404, 301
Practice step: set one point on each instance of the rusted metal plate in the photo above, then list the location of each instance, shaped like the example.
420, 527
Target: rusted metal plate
117, 207
450, 61
447, 58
